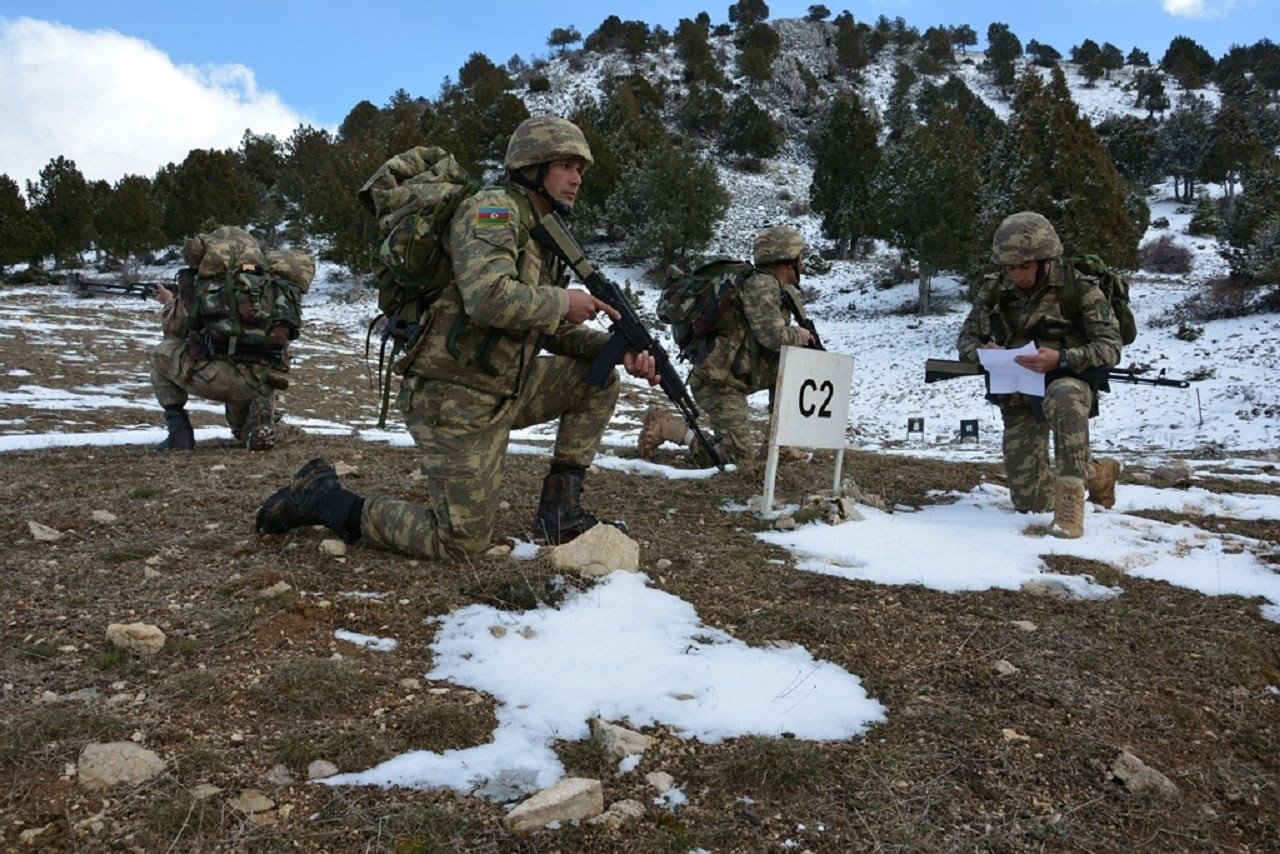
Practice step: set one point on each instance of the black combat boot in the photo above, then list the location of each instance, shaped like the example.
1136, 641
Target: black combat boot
313, 497
560, 516
182, 437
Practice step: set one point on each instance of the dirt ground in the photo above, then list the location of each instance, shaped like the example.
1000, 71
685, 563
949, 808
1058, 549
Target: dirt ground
252, 678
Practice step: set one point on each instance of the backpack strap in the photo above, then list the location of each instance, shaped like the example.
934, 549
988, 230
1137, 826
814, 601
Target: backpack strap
1069, 293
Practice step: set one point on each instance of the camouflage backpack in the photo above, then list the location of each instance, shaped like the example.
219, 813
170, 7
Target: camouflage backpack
1114, 288
413, 196
238, 305
696, 302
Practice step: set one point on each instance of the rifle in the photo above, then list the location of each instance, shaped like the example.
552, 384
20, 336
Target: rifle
948, 369
804, 322
83, 287
628, 331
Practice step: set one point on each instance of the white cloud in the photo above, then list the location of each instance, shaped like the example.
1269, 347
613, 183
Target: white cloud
116, 105
1191, 8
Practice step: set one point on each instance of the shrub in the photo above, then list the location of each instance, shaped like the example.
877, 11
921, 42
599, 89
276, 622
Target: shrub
539, 84
1165, 255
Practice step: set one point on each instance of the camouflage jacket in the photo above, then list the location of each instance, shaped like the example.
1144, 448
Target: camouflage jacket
506, 302
1011, 317
747, 346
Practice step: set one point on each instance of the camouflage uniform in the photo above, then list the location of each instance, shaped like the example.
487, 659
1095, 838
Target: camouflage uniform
744, 357
175, 376
475, 375
1011, 317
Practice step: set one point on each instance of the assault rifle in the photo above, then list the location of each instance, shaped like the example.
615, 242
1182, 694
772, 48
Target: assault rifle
629, 332
806, 323
83, 287
948, 369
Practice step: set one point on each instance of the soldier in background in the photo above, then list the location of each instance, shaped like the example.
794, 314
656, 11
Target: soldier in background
1019, 304
745, 350
246, 389
475, 375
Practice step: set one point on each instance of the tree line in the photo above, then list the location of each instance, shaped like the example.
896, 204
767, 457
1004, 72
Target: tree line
931, 175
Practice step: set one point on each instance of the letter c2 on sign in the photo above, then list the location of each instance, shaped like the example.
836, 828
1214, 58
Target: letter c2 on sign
823, 409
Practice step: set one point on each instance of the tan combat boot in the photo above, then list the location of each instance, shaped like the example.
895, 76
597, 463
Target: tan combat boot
1068, 508
660, 426
1101, 481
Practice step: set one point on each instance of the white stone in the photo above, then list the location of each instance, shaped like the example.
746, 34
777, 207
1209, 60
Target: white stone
118, 762
573, 798
618, 741
142, 638
43, 533
604, 545
321, 768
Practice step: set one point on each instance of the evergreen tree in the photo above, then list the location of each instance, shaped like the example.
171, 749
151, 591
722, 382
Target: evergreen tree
818, 12
1050, 160
1088, 56
749, 131
747, 13
1252, 225
1131, 144
963, 36
694, 50
1138, 58
899, 116
62, 201
1003, 50
760, 46
845, 154
128, 221
632, 116
1187, 62
1112, 59
207, 189
1043, 55
562, 37
926, 190
1150, 88
1235, 144
1183, 143
668, 204
261, 163
702, 111
23, 236
851, 48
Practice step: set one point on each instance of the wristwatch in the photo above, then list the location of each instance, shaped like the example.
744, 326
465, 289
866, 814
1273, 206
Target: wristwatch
1064, 363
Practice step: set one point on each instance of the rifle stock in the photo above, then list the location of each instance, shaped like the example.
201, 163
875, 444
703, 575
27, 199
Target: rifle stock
628, 331
936, 370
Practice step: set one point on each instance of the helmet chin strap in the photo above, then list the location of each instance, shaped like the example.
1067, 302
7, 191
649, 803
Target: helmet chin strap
537, 186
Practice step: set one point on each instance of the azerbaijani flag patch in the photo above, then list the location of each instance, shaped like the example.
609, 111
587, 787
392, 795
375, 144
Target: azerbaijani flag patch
493, 216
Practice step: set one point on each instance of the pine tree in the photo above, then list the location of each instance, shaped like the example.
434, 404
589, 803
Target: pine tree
62, 201
926, 190
207, 190
845, 155
1183, 143
694, 50
760, 46
668, 203
128, 221
1050, 160
1187, 62
749, 131
851, 47
1003, 50
23, 237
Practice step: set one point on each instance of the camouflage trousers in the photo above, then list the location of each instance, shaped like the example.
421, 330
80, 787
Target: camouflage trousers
462, 436
175, 376
1067, 402
730, 427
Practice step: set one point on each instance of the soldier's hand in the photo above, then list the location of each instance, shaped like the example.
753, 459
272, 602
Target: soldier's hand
583, 307
163, 295
1042, 361
641, 365
806, 337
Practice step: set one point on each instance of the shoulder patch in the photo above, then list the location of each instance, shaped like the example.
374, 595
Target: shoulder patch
493, 215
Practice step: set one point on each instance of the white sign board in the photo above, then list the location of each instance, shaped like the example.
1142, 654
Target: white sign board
810, 409
811, 404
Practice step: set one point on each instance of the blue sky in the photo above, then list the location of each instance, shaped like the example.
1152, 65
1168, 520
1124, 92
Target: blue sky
90, 80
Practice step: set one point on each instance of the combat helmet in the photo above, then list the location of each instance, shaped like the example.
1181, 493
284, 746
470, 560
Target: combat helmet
1022, 237
777, 245
544, 139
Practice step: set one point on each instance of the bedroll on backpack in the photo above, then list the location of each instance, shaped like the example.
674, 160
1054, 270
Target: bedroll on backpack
695, 303
413, 196
1114, 288
242, 303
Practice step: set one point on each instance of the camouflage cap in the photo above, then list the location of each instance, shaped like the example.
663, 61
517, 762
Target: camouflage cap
778, 244
543, 139
1022, 237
